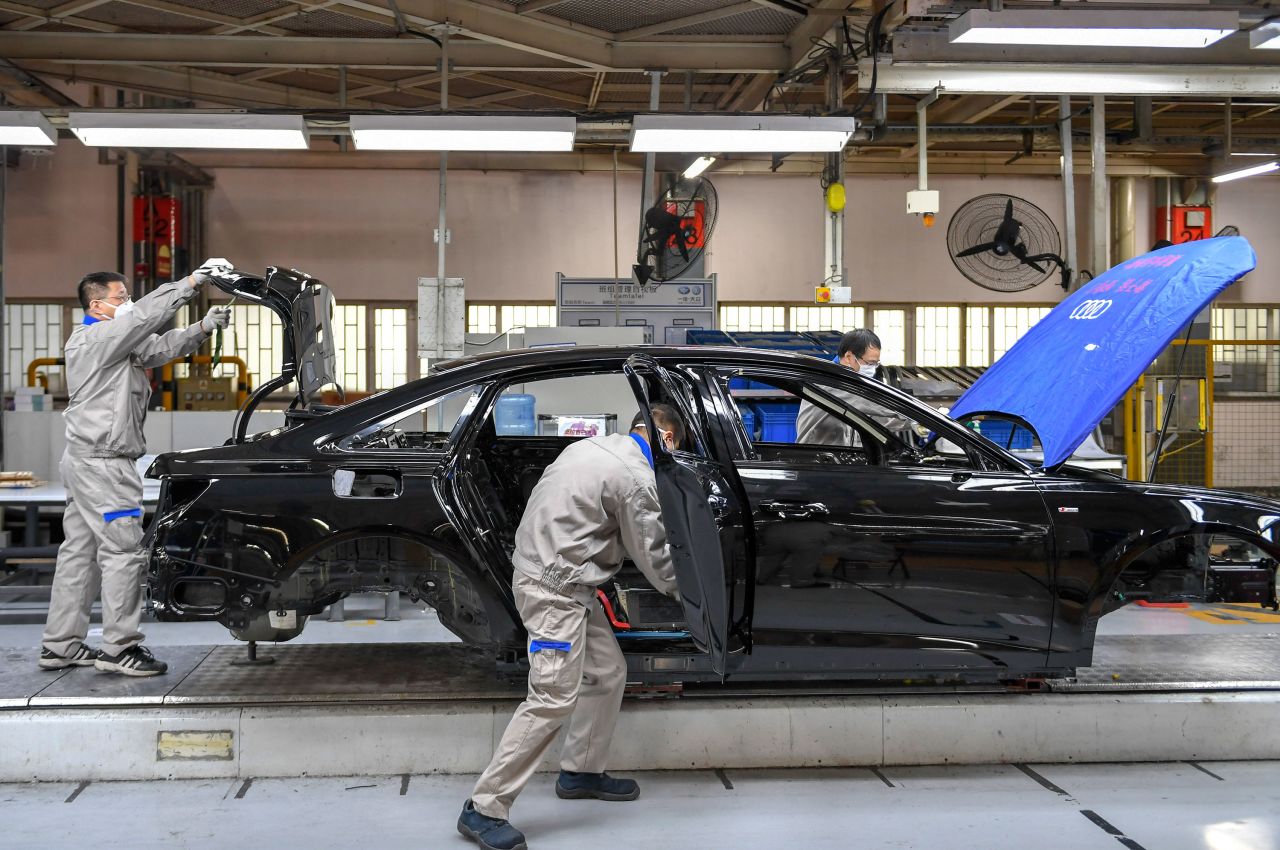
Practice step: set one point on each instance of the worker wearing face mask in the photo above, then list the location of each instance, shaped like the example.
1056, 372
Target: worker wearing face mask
596, 504
106, 362
859, 350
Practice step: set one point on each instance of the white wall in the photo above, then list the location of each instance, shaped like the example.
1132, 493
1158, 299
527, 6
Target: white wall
369, 232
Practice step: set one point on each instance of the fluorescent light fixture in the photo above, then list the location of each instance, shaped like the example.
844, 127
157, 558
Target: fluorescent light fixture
1266, 37
1094, 27
462, 132
1181, 80
698, 166
1264, 168
27, 129
739, 133
189, 130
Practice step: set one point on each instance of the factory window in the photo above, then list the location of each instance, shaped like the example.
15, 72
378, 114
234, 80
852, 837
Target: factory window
826, 318
482, 318
391, 351
937, 336
256, 337
527, 316
350, 342
1010, 323
1239, 323
891, 326
752, 317
977, 336
31, 331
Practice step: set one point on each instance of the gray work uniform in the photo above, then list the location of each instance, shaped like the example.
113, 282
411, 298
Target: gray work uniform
815, 426
109, 390
597, 503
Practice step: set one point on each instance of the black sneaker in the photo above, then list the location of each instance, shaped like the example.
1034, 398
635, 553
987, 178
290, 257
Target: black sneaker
134, 661
81, 655
489, 833
595, 786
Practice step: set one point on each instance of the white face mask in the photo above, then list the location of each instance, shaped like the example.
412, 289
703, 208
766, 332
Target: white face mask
123, 310
867, 371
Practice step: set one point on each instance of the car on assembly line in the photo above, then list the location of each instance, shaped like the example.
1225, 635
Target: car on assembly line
922, 552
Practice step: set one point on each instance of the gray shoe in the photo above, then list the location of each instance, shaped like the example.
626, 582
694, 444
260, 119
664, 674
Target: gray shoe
81, 655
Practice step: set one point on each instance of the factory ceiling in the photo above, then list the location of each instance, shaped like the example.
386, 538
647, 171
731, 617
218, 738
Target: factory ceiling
593, 58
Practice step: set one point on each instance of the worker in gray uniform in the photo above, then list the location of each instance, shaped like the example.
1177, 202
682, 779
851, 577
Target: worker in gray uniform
106, 362
859, 350
596, 504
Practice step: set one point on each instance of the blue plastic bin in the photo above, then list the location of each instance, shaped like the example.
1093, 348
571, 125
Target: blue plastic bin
997, 431
513, 416
749, 420
778, 421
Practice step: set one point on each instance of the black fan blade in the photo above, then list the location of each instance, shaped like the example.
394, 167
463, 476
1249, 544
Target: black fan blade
1008, 211
1020, 251
977, 249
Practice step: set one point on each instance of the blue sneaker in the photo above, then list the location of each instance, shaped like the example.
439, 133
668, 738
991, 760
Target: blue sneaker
489, 833
596, 786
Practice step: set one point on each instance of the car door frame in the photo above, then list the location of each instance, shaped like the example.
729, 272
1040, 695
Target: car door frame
694, 535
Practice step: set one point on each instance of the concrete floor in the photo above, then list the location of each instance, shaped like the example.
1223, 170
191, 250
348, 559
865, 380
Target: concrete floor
1171, 806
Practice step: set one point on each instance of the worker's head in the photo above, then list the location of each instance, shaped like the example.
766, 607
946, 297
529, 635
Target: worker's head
860, 350
668, 423
103, 295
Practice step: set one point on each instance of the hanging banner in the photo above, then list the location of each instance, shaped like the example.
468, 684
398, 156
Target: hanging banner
157, 229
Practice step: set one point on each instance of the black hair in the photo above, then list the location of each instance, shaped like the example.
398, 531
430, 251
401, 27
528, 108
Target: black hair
95, 285
858, 341
666, 418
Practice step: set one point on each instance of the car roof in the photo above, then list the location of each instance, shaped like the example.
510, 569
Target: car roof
568, 354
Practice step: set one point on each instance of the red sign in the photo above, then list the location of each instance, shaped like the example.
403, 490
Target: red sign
157, 219
1189, 224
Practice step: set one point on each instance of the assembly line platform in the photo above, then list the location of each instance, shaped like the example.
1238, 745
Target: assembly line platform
389, 708
325, 674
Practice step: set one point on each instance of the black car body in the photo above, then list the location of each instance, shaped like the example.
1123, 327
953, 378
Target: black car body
924, 554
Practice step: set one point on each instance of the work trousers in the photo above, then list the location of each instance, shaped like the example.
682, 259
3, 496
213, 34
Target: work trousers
100, 552
583, 682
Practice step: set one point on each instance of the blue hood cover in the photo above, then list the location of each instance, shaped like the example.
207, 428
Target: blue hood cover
1069, 370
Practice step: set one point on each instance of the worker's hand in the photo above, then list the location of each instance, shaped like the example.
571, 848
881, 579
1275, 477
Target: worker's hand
217, 317
212, 267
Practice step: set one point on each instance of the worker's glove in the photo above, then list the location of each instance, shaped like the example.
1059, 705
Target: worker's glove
217, 317
213, 267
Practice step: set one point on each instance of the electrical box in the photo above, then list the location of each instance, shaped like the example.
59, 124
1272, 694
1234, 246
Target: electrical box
1187, 224
205, 394
442, 318
922, 201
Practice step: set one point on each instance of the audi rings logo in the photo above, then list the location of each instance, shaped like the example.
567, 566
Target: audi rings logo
1091, 309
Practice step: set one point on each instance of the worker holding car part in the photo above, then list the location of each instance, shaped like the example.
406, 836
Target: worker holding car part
106, 362
596, 504
859, 350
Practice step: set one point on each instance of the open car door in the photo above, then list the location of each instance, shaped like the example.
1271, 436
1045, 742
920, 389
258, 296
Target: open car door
702, 514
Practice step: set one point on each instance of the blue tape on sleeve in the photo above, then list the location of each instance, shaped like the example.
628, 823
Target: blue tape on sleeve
114, 515
558, 646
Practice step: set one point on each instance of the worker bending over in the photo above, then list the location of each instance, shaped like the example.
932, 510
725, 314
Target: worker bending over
596, 504
106, 362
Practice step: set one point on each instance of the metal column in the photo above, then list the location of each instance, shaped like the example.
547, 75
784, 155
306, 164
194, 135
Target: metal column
1069, 249
1100, 219
833, 241
442, 231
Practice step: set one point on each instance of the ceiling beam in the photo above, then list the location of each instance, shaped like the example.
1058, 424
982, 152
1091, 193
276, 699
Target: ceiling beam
562, 40
688, 21
39, 17
200, 15
191, 84
412, 53
538, 6
971, 109
541, 91
57, 13
264, 20
798, 45
797, 9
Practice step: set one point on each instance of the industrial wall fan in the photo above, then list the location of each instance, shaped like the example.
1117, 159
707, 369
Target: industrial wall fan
676, 229
1005, 244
